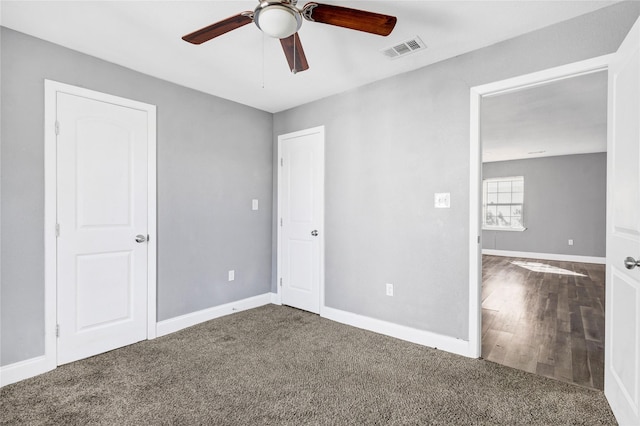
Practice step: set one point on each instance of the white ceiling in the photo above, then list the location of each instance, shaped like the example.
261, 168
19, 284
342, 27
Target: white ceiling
246, 67
559, 118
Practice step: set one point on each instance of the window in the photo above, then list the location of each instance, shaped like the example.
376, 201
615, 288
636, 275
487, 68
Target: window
503, 201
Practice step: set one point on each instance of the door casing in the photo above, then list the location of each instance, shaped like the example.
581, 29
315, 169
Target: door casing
50, 173
319, 129
600, 63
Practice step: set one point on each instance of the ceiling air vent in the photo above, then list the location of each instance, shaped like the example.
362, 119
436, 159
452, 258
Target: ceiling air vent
412, 45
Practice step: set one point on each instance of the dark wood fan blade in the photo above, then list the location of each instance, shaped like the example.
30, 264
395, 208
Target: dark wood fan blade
294, 53
369, 22
219, 28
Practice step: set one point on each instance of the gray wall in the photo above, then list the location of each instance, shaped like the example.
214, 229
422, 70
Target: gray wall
564, 198
392, 144
211, 163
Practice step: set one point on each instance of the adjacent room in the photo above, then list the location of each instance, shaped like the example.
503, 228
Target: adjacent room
544, 222
239, 212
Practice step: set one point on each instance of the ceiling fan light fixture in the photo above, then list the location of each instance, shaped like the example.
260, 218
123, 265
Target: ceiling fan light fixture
278, 20
282, 19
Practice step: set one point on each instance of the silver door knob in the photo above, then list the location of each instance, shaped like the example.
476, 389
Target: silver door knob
140, 238
314, 232
631, 263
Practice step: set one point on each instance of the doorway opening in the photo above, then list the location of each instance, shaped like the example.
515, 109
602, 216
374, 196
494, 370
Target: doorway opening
540, 248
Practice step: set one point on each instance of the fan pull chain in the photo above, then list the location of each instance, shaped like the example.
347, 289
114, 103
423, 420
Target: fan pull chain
263, 36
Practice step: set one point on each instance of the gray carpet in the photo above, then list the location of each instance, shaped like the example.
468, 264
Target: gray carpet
278, 365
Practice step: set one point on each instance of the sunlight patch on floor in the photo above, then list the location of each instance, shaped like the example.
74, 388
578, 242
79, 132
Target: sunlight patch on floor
543, 267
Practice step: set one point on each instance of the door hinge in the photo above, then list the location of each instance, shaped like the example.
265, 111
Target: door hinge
282, 162
57, 127
148, 238
57, 330
57, 230
280, 282
478, 239
280, 221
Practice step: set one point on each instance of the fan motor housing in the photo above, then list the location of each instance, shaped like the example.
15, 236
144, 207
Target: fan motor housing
277, 19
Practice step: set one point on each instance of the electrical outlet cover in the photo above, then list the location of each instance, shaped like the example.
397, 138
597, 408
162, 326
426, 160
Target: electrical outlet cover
442, 200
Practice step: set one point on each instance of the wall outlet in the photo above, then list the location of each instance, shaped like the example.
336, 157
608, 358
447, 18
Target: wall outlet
389, 289
570, 242
254, 204
442, 200
232, 275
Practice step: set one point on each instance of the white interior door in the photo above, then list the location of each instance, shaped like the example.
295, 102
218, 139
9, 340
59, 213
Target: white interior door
301, 202
622, 358
101, 208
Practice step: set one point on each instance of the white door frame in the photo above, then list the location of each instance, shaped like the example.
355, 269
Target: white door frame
600, 63
319, 129
51, 88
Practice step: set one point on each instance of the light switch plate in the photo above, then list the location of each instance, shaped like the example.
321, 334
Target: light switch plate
442, 200
254, 204
389, 289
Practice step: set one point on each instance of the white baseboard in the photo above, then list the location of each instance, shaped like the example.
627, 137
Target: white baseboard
274, 299
421, 337
22, 370
546, 256
178, 323
32, 367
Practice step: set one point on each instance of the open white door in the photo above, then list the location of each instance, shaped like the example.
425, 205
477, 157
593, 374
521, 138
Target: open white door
301, 210
622, 358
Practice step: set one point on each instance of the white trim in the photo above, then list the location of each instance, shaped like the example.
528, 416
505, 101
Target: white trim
527, 81
152, 228
178, 323
475, 229
500, 179
21, 370
50, 218
413, 335
504, 229
275, 299
588, 66
318, 129
51, 88
546, 256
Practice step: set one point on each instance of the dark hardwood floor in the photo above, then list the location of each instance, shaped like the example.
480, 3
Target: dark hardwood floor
545, 317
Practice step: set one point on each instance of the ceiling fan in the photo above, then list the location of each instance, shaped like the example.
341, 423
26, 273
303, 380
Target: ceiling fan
282, 19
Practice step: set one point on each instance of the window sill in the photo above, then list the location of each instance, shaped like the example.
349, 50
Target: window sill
504, 229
